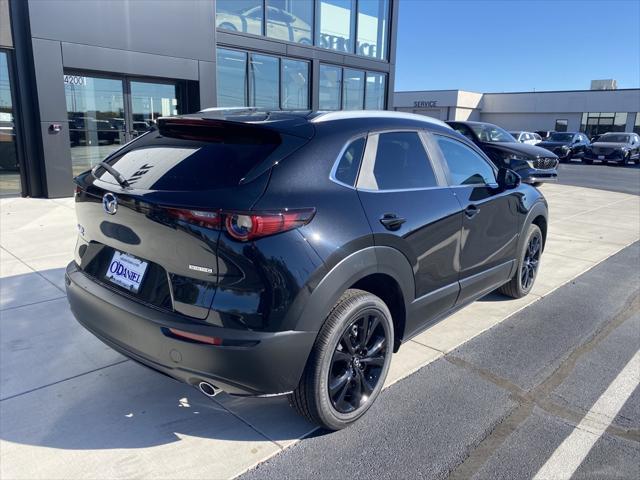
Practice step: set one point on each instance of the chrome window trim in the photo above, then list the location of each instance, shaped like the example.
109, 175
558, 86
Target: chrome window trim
332, 174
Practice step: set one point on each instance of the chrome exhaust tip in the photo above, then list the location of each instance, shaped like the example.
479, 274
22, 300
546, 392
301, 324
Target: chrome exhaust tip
208, 389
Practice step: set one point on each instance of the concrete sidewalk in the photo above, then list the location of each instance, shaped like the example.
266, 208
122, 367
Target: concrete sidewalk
71, 407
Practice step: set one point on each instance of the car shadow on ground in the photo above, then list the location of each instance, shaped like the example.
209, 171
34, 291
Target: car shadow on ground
62, 388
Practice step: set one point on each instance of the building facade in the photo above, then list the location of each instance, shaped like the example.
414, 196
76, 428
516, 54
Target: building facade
80, 78
590, 111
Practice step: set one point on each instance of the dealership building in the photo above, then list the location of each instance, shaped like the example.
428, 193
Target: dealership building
593, 111
80, 78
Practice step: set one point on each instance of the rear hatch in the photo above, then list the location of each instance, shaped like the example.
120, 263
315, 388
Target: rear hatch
149, 221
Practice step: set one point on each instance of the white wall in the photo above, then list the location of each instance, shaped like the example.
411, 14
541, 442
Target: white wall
532, 121
580, 101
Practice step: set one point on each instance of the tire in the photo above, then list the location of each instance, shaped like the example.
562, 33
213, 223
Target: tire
587, 161
537, 184
517, 287
331, 362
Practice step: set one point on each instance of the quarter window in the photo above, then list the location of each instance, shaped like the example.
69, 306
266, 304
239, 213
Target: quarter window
466, 167
401, 163
347, 169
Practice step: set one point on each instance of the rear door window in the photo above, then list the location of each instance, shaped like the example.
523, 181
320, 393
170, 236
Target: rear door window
401, 163
189, 157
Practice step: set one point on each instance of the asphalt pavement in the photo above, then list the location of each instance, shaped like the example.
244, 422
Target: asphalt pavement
604, 177
531, 396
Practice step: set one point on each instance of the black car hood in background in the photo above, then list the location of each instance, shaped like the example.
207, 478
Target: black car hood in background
523, 150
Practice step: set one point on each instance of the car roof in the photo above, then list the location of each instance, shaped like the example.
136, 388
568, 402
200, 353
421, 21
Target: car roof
302, 122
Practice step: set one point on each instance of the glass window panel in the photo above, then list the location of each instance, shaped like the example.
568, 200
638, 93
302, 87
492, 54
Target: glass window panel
231, 78
375, 91
402, 162
621, 119
466, 167
295, 84
9, 169
561, 125
353, 89
95, 110
264, 79
372, 28
290, 20
150, 101
330, 86
239, 15
349, 164
636, 127
336, 19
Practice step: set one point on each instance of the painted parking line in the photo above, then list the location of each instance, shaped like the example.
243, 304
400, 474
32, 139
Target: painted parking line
574, 449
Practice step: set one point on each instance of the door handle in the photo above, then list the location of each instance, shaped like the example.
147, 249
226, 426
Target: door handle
391, 221
471, 211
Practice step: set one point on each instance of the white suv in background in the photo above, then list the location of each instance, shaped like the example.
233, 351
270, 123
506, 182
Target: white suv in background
527, 137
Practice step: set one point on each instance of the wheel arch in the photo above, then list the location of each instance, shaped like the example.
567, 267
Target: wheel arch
382, 271
538, 215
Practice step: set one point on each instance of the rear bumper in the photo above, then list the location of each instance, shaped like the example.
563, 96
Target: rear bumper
266, 363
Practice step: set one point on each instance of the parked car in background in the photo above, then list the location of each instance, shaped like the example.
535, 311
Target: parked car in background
544, 134
529, 138
619, 148
566, 145
535, 165
323, 243
88, 130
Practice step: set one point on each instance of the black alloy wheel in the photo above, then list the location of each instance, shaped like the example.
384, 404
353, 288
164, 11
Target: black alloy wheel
530, 252
529, 267
357, 362
349, 362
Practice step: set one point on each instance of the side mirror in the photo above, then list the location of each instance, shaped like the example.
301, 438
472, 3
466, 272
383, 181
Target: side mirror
508, 179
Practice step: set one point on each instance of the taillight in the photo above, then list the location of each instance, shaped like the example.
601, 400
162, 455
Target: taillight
202, 218
245, 226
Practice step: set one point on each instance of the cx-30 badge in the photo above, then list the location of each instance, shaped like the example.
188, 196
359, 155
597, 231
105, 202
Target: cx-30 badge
110, 203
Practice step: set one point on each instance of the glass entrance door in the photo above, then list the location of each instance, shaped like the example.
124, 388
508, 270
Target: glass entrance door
95, 110
105, 113
9, 165
150, 101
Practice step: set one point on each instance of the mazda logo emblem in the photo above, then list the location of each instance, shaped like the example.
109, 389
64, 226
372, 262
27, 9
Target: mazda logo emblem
110, 203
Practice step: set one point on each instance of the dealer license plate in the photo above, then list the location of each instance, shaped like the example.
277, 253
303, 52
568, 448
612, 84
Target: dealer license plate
126, 271
600, 157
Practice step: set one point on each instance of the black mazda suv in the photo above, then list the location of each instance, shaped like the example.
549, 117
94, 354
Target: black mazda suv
535, 165
292, 253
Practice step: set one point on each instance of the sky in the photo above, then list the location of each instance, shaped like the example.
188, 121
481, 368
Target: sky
517, 45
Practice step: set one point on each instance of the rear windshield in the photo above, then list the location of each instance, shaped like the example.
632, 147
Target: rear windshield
192, 156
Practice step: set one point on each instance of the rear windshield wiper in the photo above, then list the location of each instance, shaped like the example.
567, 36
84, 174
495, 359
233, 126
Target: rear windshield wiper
114, 173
